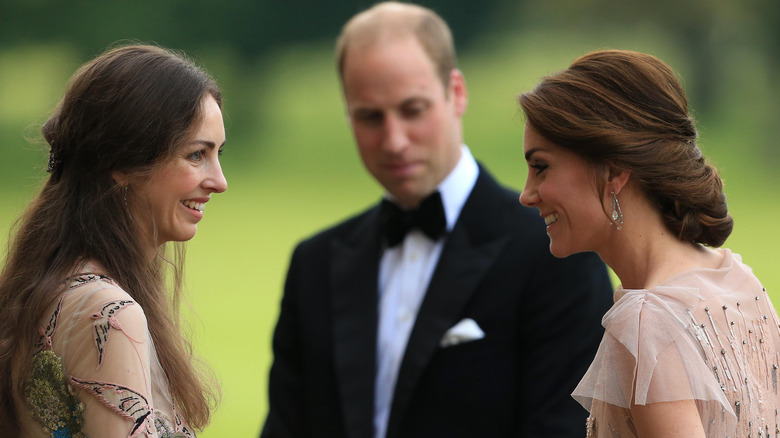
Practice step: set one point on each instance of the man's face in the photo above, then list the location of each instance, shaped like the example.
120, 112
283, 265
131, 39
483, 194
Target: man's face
406, 124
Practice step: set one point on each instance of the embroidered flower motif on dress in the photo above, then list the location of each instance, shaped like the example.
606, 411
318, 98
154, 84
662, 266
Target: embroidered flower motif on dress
105, 320
129, 404
163, 427
50, 400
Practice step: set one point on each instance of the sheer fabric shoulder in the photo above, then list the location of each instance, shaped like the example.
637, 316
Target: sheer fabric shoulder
710, 335
96, 344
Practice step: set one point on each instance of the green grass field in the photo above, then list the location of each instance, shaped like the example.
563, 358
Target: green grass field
292, 169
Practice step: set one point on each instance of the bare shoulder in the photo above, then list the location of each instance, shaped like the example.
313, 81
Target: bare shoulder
668, 419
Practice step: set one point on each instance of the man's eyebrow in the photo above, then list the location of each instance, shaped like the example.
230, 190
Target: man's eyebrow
414, 99
364, 109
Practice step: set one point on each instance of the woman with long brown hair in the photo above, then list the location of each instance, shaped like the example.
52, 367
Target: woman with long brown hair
89, 333
691, 345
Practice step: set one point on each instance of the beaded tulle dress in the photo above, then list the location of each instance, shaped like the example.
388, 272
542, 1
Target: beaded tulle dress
710, 335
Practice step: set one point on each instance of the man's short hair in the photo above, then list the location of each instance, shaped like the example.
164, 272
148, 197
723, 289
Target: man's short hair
394, 20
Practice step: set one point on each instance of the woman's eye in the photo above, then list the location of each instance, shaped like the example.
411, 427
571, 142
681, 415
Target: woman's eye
196, 156
539, 167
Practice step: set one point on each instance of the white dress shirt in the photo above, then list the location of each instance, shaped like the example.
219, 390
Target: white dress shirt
404, 273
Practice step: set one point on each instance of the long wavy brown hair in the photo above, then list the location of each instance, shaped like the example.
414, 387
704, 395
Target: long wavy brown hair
125, 111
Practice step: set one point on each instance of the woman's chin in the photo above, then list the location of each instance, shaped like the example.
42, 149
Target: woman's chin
559, 251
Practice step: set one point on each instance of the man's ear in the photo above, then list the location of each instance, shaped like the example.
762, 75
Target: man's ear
120, 178
458, 92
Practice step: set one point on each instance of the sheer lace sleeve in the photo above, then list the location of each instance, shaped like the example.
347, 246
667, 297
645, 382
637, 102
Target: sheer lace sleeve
106, 353
649, 354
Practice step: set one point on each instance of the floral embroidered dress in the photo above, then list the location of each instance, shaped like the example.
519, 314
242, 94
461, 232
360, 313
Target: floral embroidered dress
710, 335
95, 372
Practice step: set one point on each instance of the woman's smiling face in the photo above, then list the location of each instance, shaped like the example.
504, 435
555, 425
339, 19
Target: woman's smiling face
175, 193
563, 187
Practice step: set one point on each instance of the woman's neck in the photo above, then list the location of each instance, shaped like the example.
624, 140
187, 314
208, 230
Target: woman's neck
648, 260
645, 253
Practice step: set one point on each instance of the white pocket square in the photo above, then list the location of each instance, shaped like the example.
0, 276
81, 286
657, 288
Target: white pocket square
464, 331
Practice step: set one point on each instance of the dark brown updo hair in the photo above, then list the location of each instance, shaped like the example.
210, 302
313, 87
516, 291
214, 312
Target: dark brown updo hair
626, 111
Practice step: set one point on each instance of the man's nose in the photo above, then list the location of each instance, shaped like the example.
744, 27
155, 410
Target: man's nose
395, 138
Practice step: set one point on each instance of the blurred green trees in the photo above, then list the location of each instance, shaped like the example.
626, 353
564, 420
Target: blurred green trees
290, 161
722, 43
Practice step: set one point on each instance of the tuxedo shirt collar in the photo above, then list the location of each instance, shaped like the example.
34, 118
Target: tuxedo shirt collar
457, 186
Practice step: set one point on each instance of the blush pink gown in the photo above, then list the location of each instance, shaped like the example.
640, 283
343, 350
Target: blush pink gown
710, 335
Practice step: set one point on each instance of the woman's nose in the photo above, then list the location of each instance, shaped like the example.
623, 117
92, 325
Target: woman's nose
528, 196
216, 180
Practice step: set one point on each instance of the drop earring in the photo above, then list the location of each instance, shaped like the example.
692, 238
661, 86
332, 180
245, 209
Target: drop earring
616, 214
124, 195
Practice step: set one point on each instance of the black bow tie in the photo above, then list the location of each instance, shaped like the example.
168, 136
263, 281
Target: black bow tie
428, 218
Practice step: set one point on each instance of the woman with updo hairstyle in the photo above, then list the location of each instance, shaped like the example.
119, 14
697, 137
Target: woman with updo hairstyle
691, 346
90, 337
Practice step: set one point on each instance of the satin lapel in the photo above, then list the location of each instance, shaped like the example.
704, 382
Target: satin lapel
461, 267
355, 267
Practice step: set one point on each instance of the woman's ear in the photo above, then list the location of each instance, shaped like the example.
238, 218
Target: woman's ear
120, 178
617, 179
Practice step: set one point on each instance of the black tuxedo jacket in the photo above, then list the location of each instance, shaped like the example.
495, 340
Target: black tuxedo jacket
541, 317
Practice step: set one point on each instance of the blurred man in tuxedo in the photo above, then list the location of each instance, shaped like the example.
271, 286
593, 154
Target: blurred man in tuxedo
438, 312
